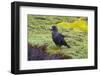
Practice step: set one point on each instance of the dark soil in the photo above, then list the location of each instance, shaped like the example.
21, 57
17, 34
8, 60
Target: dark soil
39, 53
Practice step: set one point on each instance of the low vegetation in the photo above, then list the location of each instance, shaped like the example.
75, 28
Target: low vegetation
75, 30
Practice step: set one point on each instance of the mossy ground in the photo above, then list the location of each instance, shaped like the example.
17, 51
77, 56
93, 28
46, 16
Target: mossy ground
40, 34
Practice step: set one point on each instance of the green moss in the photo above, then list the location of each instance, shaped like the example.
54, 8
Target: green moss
39, 33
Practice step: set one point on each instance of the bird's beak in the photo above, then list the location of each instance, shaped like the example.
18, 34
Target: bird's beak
50, 29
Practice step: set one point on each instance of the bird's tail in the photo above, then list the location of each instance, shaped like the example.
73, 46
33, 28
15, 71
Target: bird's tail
67, 45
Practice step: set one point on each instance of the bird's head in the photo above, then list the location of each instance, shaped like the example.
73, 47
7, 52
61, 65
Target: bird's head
54, 28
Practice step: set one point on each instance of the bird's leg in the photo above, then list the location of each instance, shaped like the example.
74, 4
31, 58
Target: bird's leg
60, 48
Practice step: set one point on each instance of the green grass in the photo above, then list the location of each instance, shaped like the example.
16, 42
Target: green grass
39, 34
